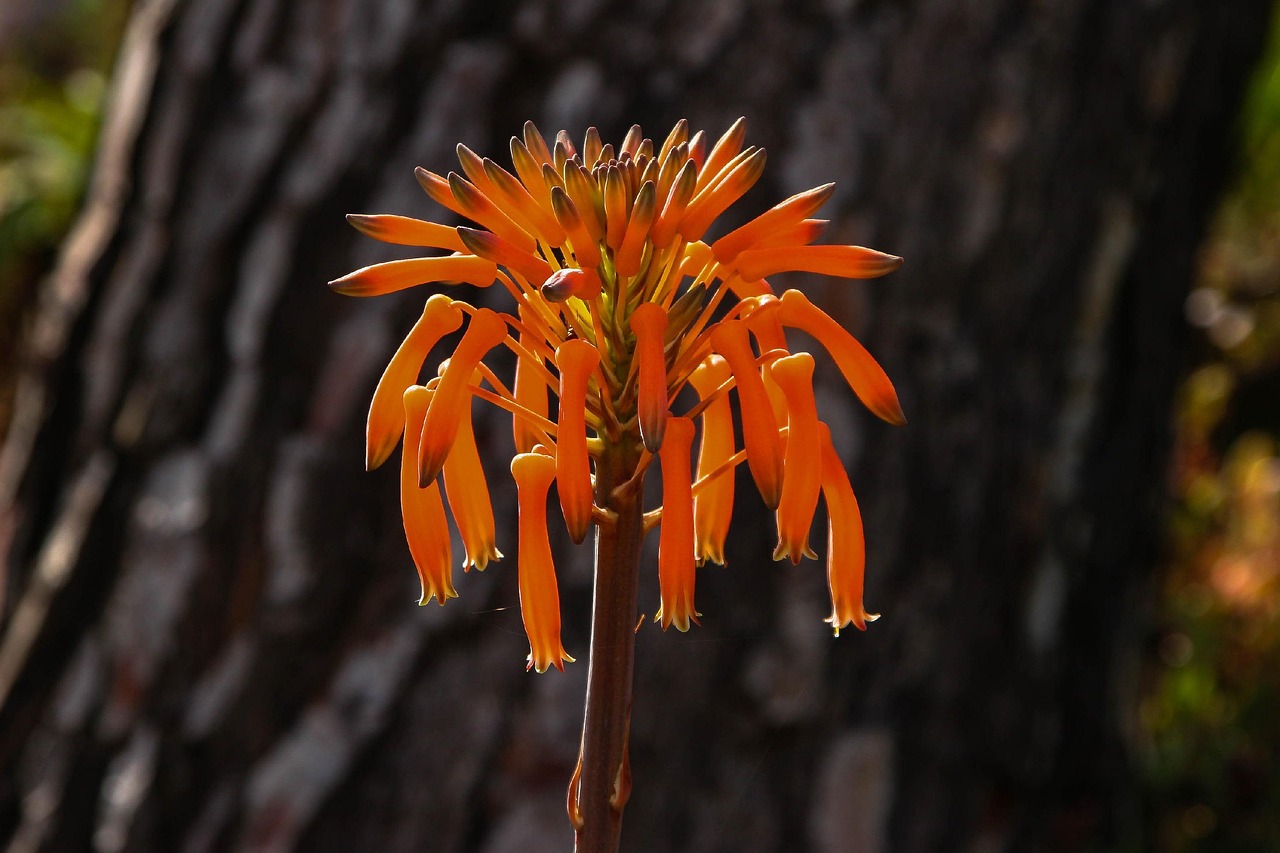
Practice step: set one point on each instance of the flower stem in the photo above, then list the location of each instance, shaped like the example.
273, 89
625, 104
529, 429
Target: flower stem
603, 781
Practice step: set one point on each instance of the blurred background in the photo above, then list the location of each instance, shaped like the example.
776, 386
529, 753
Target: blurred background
208, 637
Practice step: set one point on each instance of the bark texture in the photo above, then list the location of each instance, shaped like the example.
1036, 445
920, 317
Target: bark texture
209, 638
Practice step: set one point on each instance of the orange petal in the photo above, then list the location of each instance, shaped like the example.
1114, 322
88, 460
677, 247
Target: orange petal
480, 208
391, 276
783, 215
530, 171
570, 218
864, 375
678, 136
759, 426
468, 494
539, 591
846, 550
801, 234
530, 392
576, 359
766, 328
627, 260
725, 149
386, 414
425, 527
840, 261
649, 322
586, 197
591, 147
698, 148
571, 281
615, 206
713, 505
485, 332
803, 461
535, 143
664, 229
488, 245
675, 545
534, 211
406, 231
715, 198
631, 142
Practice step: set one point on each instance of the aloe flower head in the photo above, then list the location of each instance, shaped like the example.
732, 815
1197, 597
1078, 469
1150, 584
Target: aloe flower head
620, 290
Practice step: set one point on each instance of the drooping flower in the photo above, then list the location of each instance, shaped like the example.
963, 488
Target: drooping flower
618, 301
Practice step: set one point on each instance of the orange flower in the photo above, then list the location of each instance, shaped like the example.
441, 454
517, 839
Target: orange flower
468, 493
794, 374
713, 505
649, 322
675, 546
846, 551
576, 360
386, 414
425, 526
539, 592
618, 304
486, 331
759, 426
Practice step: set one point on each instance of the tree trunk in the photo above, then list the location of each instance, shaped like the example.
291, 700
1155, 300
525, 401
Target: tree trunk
210, 640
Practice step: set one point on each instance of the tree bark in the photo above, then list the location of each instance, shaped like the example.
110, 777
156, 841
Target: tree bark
209, 641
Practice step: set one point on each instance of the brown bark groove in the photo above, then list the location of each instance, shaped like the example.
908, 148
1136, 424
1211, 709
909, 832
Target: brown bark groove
208, 637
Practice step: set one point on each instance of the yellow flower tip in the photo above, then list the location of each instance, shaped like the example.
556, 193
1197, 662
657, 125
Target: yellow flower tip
649, 322
576, 359
485, 331
425, 527
570, 281
386, 423
839, 261
390, 276
865, 376
676, 569
803, 482
759, 425
539, 590
846, 548
405, 231
713, 505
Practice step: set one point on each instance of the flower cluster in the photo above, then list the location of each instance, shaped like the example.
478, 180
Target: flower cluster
619, 304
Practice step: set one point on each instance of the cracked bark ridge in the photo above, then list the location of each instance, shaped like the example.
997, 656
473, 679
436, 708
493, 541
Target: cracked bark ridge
209, 641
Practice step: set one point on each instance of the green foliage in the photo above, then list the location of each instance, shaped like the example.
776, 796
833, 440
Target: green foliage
1209, 718
52, 87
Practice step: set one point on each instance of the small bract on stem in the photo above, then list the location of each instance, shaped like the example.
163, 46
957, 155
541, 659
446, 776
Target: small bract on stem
618, 303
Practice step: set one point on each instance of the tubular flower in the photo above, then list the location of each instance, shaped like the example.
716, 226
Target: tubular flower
846, 549
425, 526
649, 322
386, 414
622, 290
485, 332
576, 359
675, 542
467, 491
539, 592
794, 374
713, 505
